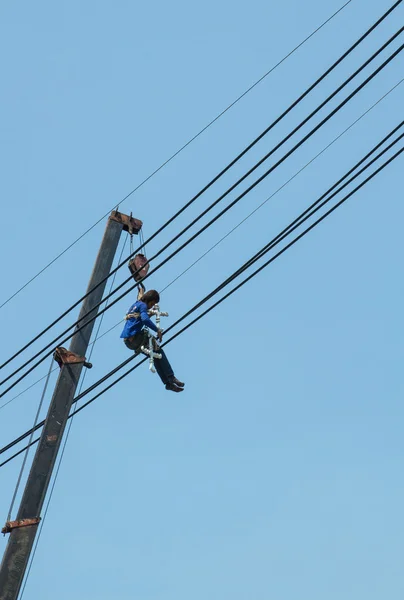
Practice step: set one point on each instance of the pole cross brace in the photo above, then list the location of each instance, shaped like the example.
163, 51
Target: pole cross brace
10, 525
65, 357
129, 224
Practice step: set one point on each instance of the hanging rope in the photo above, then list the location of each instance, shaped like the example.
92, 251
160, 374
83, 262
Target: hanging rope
140, 288
30, 440
131, 235
142, 242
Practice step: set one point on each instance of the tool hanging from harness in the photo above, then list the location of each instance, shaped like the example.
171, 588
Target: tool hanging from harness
139, 265
151, 350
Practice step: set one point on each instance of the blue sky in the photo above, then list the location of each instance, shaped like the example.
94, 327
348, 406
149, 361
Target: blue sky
277, 473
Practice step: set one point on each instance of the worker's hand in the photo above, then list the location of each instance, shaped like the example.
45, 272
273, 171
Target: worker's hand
159, 335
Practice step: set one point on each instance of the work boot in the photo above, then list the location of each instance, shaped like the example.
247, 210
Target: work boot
173, 388
179, 383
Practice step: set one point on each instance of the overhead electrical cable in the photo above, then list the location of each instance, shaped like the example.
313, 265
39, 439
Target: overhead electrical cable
237, 226
308, 213
17, 487
305, 138
56, 368
194, 236
339, 136
256, 272
167, 161
241, 284
281, 188
232, 163
304, 216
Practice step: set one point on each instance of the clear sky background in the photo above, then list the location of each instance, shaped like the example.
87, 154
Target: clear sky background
277, 474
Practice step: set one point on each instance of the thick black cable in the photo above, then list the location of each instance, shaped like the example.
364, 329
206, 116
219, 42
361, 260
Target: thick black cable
241, 179
219, 215
279, 189
241, 284
287, 246
304, 216
39, 425
232, 163
244, 219
307, 214
182, 148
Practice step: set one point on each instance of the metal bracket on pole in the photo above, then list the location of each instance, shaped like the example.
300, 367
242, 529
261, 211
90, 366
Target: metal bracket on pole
129, 224
65, 357
10, 525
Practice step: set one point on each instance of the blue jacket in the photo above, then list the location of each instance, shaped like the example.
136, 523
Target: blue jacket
133, 326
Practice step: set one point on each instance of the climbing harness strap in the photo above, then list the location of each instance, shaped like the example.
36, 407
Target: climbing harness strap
135, 315
153, 312
140, 290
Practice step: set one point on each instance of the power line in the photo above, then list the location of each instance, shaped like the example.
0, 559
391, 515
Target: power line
287, 183
302, 218
183, 148
241, 284
204, 189
238, 225
26, 453
312, 209
44, 376
219, 215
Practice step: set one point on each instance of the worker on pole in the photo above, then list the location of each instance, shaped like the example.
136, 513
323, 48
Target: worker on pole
136, 334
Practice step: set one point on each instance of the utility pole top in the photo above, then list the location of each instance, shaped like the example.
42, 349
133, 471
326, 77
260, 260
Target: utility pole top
129, 224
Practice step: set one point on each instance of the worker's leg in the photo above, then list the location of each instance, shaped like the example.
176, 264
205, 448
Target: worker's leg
166, 373
163, 367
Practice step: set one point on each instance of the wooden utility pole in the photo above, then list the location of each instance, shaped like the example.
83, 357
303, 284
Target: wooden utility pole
23, 530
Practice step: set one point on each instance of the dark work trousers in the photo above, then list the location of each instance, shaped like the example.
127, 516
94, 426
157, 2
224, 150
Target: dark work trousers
162, 365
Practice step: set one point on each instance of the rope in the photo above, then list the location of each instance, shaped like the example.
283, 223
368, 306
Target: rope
30, 440
142, 242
